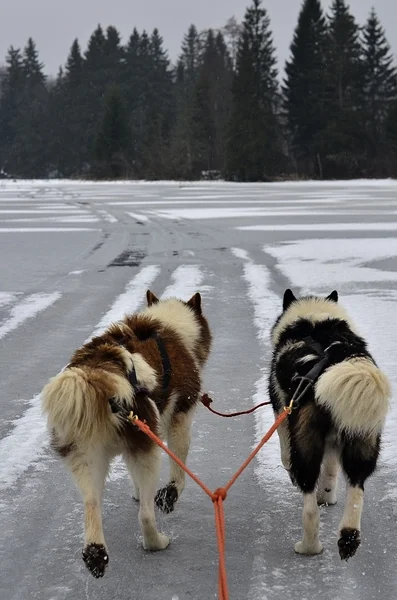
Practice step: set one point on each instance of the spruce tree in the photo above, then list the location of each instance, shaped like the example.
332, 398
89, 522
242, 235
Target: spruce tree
380, 78
211, 107
158, 105
112, 142
187, 72
344, 142
254, 137
13, 85
305, 88
190, 57
68, 113
28, 156
95, 84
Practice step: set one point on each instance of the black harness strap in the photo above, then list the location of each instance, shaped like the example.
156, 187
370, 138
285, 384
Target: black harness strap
165, 361
314, 373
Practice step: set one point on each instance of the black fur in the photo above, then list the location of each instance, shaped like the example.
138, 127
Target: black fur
166, 497
348, 542
306, 459
96, 559
311, 428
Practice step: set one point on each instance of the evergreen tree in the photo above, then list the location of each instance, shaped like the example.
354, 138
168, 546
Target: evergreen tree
187, 72
305, 90
254, 138
13, 85
95, 83
112, 142
113, 57
344, 141
211, 107
157, 109
190, 57
28, 156
345, 64
67, 113
380, 81
132, 92
391, 139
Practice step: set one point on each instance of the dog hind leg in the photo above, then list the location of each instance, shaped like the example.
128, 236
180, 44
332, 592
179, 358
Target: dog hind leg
144, 469
178, 438
89, 473
310, 543
359, 458
307, 452
327, 486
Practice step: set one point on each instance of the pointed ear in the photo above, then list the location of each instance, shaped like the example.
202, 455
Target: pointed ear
195, 303
151, 298
288, 299
333, 297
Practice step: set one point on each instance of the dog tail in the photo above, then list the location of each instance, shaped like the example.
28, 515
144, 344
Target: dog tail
76, 402
357, 394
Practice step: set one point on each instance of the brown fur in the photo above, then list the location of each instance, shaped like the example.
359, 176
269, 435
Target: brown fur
87, 435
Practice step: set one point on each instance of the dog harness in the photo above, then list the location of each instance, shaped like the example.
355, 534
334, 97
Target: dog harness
165, 361
314, 373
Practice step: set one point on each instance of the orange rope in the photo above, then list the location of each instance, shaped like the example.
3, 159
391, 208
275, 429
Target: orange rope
219, 495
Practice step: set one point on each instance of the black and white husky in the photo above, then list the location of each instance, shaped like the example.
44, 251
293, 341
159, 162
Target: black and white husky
338, 421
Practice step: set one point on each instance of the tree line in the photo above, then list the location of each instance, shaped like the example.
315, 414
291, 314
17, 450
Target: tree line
124, 111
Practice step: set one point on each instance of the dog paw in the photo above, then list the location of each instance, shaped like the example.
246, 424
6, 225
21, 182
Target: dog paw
96, 559
308, 549
160, 543
348, 542
166, 497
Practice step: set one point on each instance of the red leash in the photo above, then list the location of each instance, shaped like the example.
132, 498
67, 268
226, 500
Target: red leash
207, 401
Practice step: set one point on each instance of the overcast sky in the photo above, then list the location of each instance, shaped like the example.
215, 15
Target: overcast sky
54, 24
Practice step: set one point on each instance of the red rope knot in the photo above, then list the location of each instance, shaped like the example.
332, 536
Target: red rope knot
219, 493
206, 400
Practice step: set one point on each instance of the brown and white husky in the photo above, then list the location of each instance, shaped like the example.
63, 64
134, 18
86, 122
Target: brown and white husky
150, 363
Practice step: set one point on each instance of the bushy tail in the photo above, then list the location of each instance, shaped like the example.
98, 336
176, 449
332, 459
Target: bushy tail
76, 401
357, 395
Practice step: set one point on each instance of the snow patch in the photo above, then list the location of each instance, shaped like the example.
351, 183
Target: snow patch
27, 309
267, 306
323, 227
187, 280
331, 262
45, 229
138, 217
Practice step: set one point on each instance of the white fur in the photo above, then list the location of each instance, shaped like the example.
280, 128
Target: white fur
327, 485
313, 309
310, 543
353, 509
307, 358
178, 438
283, 430
357, 394
89, 468
70, 400
145, 374
180, 318
144, 469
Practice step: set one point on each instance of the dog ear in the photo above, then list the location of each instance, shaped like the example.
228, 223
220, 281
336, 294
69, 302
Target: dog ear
195, 303
333, 297
288, 299
151, 298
